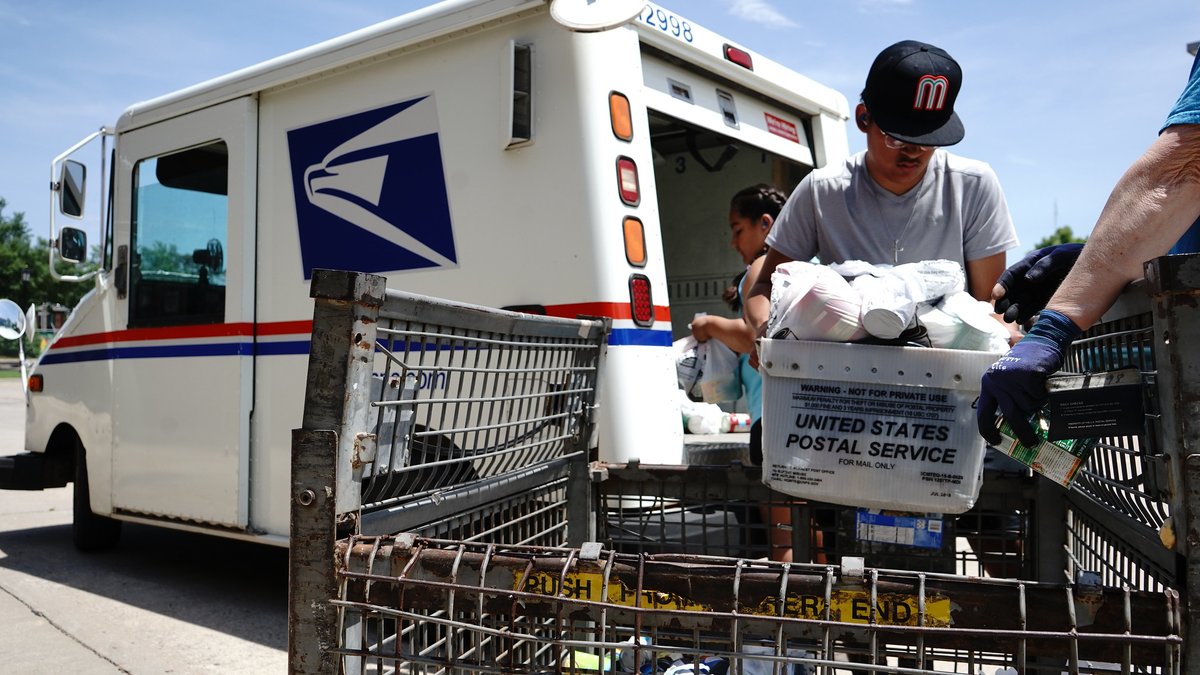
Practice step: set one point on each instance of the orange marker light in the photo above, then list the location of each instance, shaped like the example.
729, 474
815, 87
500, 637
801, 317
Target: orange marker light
36, 383
635, 241
622, 119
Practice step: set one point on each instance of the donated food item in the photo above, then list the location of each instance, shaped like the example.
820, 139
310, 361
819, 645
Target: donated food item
848, 301
1059, 461
708, 665
887, 305
892, 294
813, 302
737, 422
977, 329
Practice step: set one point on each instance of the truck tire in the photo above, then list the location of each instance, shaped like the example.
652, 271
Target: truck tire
89, 531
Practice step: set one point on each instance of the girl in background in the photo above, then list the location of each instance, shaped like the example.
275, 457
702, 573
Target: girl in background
752, 212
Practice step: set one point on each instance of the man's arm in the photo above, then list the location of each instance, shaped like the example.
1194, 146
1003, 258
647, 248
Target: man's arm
982, 275
758, 301
1152, 205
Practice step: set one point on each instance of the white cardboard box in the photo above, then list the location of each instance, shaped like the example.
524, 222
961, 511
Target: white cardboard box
873, 426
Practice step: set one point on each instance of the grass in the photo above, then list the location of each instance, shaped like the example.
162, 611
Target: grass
10, 373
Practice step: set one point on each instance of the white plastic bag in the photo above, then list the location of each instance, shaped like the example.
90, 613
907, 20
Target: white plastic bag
688, 364
719, 379
978, 329
700, 417
812, 302
959, 321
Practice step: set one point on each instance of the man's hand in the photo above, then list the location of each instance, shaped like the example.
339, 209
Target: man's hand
1025, 288
1016, 384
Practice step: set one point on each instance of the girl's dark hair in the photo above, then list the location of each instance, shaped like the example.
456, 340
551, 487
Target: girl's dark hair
753, 202
756, 200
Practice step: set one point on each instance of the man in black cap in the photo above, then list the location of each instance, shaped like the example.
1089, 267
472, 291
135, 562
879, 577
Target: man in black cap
903, 199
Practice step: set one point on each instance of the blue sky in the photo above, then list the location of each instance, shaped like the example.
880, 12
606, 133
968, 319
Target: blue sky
1059, 96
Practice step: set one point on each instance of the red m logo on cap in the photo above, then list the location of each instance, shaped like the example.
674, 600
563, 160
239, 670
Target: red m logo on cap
931, 92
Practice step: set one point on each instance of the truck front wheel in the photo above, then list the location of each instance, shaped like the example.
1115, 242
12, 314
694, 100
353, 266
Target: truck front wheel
89, 531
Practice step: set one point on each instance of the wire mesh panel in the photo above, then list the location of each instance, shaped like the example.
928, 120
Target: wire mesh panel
493, 400
1119, 500
475, 608
436, 417
1117, 560
728, 511
1122, 474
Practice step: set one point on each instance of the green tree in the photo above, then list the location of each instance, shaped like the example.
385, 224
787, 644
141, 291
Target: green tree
18, 253
15, 254
1062, 235
161, 257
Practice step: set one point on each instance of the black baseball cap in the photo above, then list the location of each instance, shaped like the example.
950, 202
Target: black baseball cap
910, 93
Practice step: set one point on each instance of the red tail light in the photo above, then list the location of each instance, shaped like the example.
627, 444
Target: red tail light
738, 56
627, 181
640, 302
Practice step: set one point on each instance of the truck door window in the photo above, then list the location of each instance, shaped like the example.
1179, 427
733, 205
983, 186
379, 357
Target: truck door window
179, 230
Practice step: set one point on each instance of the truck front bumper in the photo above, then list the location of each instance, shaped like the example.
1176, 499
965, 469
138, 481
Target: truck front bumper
32, 471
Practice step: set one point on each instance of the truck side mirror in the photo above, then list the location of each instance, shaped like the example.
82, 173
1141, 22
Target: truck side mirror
12, 320
72, 182
72, 244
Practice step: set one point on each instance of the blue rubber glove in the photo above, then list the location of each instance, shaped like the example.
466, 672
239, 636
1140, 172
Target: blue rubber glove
1016, 384
1029, 283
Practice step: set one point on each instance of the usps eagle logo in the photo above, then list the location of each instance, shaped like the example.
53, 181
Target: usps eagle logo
370, 191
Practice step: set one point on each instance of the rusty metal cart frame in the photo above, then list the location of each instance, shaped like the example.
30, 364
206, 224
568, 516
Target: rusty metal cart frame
442, 418
498, 604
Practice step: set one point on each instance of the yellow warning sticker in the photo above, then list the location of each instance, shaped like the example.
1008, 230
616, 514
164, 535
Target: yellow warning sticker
590, 586
891, 609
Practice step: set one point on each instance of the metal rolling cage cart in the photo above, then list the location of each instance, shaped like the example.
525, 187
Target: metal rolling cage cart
426, 416
668, 569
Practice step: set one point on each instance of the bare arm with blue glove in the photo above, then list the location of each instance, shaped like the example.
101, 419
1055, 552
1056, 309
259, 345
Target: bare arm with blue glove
1152, 205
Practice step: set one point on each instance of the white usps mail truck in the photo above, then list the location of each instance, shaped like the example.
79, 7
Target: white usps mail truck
487, 151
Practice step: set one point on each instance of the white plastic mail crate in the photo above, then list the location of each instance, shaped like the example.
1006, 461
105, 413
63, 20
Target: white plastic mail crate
873, 426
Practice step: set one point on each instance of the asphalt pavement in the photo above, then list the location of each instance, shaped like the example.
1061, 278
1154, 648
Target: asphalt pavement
161, 602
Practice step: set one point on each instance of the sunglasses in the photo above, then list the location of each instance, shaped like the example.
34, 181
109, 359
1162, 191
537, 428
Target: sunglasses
897, 144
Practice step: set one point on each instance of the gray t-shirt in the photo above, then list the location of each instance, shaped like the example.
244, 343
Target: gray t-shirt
838, 213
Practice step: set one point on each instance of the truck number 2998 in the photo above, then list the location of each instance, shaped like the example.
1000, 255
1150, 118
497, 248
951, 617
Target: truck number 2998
667, 23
